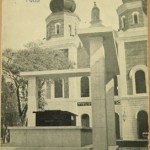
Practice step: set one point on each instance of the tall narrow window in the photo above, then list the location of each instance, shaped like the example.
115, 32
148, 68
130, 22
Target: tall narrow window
70, 30
140, 82
84, 87
115, 86
58, 88
48, 32
117, 123
142, 120
135, 19
57, 28
123, 19
85, 120
48, 90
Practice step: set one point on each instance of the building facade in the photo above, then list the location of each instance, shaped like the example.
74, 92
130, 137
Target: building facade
70, 90
132, 81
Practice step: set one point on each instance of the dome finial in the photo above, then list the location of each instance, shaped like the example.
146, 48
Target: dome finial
95, 16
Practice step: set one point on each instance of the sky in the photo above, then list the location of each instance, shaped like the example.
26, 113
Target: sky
24, 21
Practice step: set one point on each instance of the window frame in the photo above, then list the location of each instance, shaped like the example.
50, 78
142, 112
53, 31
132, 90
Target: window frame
62, 89
123, 18
87, 117
81, 87
132, 76
133, 19
56, 25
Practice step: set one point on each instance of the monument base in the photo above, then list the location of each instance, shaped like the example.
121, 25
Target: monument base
48, 148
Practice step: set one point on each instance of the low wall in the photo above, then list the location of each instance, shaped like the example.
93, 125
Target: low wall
50, 136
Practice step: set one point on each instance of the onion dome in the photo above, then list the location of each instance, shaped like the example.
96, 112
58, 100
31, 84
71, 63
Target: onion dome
62, 5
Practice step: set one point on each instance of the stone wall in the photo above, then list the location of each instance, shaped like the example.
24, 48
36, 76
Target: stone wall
131, 106
136, 54
50, 136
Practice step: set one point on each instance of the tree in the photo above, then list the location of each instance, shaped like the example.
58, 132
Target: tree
33, 58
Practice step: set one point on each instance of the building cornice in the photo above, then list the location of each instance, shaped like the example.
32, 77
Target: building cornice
73, 72
135, 97
129, 35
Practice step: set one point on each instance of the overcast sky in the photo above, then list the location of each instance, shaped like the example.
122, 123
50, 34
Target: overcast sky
25, 21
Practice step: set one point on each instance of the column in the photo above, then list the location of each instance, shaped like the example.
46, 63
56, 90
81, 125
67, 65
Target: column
98, 93
32, 100
122, 66
110, 113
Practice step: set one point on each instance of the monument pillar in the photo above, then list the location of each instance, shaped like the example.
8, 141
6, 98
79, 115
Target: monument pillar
98, 93
32, 100
110, 113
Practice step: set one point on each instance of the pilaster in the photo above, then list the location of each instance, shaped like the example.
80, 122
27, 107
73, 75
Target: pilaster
32, 100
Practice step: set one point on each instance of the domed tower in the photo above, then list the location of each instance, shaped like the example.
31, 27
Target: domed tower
132, 14
62, 22
132, 46
95, 16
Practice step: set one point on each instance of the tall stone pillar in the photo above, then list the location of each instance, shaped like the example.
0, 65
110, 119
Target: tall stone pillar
32, 100
98, 93
110, 113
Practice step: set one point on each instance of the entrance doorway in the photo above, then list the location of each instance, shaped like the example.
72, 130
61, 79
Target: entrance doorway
85, 120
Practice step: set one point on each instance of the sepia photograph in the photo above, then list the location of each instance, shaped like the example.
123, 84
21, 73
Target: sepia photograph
74, 75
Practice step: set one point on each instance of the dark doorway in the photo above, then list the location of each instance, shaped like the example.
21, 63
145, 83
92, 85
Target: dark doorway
117, 121
142, 119
85, 120
115, 86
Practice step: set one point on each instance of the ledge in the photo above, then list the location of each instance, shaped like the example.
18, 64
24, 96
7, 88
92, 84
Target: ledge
56, 72
50, 128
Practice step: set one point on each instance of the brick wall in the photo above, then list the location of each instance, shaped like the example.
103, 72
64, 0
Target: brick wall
136, 54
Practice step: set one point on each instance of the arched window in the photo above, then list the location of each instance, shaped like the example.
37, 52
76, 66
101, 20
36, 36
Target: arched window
138, 74
142, 124
57, 28
117, 124
58, 87
135, 17
115, 86
84, 87
123, 19
140, 82
85, 120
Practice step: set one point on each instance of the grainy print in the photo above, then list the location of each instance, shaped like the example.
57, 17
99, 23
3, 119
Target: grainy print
74, 75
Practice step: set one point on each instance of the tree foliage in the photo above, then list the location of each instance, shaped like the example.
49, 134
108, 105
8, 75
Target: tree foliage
33, 58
